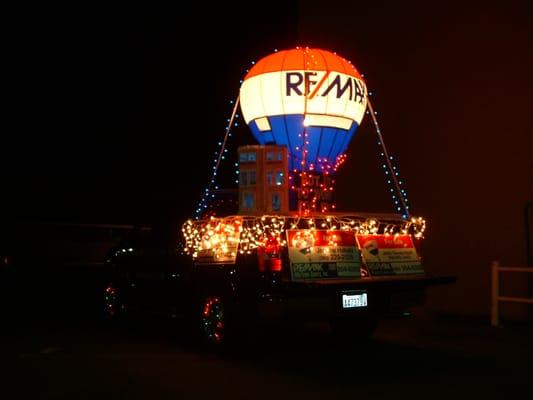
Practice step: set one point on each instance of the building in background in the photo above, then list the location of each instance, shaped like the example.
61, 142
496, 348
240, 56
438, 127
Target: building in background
263, 179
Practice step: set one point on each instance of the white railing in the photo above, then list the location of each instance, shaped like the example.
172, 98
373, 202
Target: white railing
496, 298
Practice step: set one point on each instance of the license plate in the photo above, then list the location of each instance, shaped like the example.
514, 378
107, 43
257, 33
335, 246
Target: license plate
354, 300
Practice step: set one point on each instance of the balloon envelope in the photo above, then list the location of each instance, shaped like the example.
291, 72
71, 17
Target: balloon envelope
306, 99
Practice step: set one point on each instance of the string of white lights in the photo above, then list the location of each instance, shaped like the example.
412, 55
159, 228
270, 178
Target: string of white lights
207, 195
399, 196
242, 234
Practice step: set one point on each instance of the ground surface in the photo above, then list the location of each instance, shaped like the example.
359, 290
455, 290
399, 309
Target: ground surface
421, 357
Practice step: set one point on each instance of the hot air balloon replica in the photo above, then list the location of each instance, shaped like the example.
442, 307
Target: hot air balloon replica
310, 101
303, 106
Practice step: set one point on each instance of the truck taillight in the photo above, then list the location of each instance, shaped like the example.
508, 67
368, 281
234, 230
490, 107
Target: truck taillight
269, 260
275, 264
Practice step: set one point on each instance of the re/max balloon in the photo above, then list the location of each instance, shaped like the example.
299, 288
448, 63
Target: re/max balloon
309, 100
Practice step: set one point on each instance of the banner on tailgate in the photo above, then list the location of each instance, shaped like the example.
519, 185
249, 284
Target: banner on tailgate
316, 254
389, 254
220, 242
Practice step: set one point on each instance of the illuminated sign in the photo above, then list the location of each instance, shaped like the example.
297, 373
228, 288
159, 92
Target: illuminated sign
316, 254
389, 254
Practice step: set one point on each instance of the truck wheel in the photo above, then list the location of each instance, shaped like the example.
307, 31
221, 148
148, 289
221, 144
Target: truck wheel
112, 303
213, 321
350, 329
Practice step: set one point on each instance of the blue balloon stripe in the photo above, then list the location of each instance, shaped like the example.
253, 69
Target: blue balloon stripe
313, 136
263, 137
336, 149
279, 131
320, 144
348, 139
294, 130
324, 142
328, 139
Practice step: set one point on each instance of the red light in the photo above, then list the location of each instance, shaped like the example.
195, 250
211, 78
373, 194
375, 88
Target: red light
275, 264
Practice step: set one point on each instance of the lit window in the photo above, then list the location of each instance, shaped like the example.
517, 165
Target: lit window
274, 156
276, 202
243, 180
244, 157
270, 178
251, 175
279, 178
249, 200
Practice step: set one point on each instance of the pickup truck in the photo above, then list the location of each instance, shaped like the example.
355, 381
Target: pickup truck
238, 271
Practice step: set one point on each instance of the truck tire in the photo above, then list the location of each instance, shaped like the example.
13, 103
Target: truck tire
113, 307
217, 322
212, 320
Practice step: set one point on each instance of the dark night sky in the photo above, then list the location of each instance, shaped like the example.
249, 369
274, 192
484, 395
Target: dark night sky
108, 104
103, 105
453, 84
